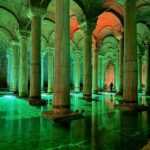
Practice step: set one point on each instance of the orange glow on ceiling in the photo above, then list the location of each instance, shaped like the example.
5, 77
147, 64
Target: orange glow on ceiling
107, 24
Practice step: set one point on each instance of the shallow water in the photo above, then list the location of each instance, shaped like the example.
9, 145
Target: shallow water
102, 128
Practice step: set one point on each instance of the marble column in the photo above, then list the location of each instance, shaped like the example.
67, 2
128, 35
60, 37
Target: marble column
36, 15
42, 70
23, 66
121, 55
50, 53
87, 62
95, 70
116, 75
10, 70
77, 70
100, 73
130, 56
139, 73
147, 83
61, 102
15, 66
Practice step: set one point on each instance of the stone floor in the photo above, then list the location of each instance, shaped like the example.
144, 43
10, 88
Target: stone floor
102, 128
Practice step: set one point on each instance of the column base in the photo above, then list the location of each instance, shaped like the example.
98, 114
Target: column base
87, 97
147, 94
95, 92
37, 102
23, 95
139, 91
76, 92
50, 115
132, 107
49, 92
119, 94
15, 92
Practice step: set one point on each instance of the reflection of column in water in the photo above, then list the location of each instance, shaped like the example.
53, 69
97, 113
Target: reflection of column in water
94, 129
33, 133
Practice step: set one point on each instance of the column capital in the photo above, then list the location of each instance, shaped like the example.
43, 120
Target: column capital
23, 34
88, 27
14, 42
34, 11
77, 53
100, 56
50, 50
119, 36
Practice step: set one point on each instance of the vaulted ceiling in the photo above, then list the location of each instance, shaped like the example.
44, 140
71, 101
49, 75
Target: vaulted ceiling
108, 16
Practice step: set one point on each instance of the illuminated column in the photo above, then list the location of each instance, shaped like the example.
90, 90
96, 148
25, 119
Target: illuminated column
116, 75
50, 53
42, 70
23, 68
10, 70
87, 62
35, 64
121, 54
147, 83
15, 66
139, 73
77, 70
130, 55
100, 73
62, 58
95, 70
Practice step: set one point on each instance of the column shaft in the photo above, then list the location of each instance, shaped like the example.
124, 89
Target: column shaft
121, 55
139, 73
77, 72
130, 60
87, 65
23, 70
147, 83
50, 71
100, 73
35, 65
15, 68
95, 71
62, 58
42, 71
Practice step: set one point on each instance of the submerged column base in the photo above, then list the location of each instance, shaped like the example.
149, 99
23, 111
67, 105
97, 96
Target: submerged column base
87, 97
70, 115
37, 101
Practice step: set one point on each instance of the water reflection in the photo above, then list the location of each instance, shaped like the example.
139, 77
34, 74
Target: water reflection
103, 126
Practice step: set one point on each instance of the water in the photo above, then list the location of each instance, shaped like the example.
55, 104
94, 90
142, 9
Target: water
102, 128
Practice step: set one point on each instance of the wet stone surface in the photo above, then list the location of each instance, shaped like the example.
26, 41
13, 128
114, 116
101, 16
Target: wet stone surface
102, 128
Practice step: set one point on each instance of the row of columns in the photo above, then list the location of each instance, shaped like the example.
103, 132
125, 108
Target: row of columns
62, 59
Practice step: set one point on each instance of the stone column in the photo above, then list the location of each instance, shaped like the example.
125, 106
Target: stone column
116, 75
50, 53
10, 70
35, 64
42, 70
77, 70
130, 55
100, 73
15, 66
95, 70
139, 73
87, 62
62, 58
147, 83
121, 55
23, 67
